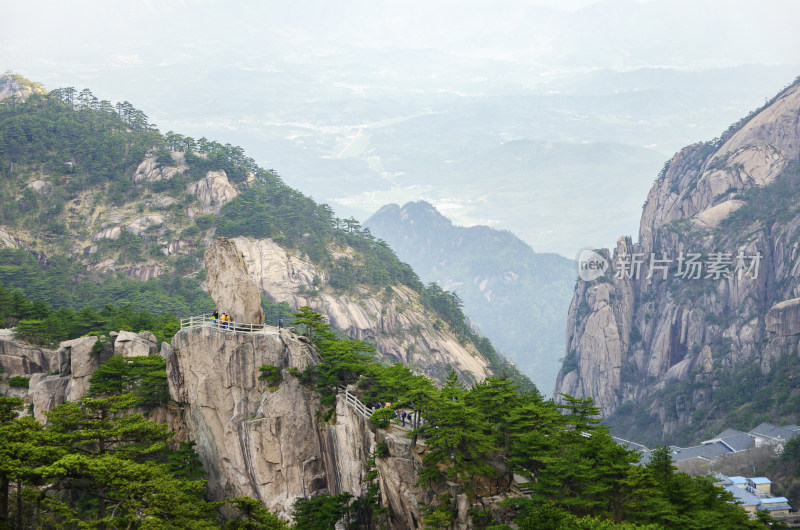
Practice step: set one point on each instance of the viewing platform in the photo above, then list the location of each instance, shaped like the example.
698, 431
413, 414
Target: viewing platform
207, 321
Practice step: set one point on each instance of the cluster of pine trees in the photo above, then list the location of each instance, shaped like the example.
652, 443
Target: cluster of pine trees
38, 323
480, 437
100, 463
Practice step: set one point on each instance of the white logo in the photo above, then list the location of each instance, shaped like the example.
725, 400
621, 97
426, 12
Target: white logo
591, 265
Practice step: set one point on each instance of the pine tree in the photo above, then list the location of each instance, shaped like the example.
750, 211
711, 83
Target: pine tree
455, 434
118, 461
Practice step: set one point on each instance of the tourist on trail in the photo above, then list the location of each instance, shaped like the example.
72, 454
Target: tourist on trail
214, 318
403, 417
228, 325
280, 323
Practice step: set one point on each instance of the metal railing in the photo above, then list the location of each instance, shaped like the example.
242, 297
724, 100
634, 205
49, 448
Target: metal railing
357, 405
364, 411
208, 321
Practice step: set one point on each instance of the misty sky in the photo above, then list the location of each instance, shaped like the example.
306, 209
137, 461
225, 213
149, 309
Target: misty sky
279, 78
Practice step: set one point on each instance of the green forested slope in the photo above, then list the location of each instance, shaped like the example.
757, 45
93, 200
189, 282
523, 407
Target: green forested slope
67, 159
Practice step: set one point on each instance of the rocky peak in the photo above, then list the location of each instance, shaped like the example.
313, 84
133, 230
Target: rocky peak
633, 330
229, 282
14, 85
214, 191
699, 181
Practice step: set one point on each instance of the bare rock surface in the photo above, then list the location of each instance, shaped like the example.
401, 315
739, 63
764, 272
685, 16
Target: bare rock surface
214, 191
39, 186
139, 225
19, 358
47, 393
7, 240
130, 344
397, 475
630, 334
17, 86
397, 323
229, 282
111, 232
82, 364
783, 319
145, 272
268, 444
150, 170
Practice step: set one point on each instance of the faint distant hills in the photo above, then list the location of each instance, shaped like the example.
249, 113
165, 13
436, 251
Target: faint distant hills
517, 297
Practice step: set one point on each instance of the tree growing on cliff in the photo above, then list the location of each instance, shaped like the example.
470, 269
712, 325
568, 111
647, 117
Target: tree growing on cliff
94, 464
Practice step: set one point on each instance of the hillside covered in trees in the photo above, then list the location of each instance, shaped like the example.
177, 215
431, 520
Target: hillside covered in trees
98, 207
101, 463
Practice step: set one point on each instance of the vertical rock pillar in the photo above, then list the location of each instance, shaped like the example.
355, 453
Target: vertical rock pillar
229, 283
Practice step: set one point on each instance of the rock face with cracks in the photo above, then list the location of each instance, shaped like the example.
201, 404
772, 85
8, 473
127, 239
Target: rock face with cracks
393, 319
229, 283
266, 443
633, 330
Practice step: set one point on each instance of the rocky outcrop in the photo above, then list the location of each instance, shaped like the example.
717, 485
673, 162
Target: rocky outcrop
110, 232
269, 444
150, 170
654, 318
395, 322
130, 344
397, 477
783, 319
12, 85
39, 186
82, 363
20, 358
229, 283
144, 272
47, 393
7, 240
141, 224
54, 376
213, 191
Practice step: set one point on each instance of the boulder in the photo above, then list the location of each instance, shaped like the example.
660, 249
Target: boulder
229, 283
79, 351
48, 392
214, 191
783, 319
130, 344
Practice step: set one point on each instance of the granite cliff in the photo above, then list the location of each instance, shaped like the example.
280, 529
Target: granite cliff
393, 318
709, 289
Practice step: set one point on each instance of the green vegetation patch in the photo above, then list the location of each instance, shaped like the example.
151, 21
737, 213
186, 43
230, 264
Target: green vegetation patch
19, 381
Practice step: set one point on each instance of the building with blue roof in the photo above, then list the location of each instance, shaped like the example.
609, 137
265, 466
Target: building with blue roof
753, 494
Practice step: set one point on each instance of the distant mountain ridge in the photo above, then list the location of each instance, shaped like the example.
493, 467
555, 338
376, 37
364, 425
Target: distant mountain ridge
517, 297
